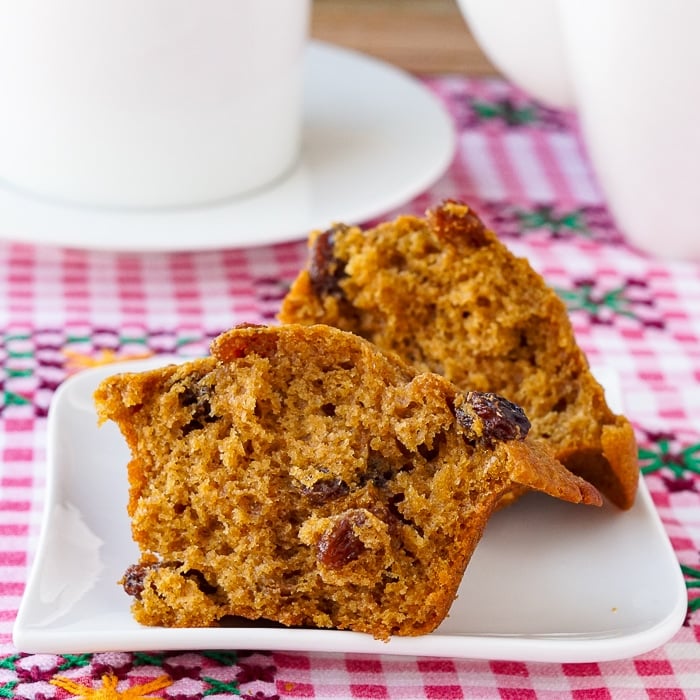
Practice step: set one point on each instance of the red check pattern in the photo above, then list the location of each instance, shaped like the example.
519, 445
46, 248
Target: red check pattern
524, 168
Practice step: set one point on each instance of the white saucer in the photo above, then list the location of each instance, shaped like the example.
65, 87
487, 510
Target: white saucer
374, 137
550, 581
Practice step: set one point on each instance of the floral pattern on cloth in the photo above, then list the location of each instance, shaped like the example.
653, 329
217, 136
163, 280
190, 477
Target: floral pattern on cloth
132, 676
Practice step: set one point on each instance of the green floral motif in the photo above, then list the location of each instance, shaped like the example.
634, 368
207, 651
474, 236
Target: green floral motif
7, 690
144, 659
692, 582
225, 658
586, 297
111, 671
36, 362
545, 217
219, 687
75, 661
588, 222
144, 339
9, 661
664, 455
14, 345
630, 299
11, 398
505, 111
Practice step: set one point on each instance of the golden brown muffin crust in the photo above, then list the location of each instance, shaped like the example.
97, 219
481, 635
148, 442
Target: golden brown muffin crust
301, 475
446, 295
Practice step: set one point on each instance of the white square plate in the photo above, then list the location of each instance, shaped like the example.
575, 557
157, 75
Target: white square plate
550, 581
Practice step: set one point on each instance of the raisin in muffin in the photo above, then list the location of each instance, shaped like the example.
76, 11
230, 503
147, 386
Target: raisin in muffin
301, 475
447, 296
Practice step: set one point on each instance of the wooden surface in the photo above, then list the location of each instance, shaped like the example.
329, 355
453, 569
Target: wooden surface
421, 36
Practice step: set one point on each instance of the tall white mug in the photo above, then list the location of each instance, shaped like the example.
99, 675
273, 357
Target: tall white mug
150, 103
630, 69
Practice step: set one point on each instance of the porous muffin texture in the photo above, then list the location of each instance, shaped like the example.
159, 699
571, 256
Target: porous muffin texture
445, 294
301, 475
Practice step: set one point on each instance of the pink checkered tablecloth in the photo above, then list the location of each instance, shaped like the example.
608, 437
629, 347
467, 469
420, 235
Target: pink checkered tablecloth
523, 167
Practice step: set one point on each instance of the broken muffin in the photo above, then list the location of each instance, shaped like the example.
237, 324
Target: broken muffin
301, 475
446, 295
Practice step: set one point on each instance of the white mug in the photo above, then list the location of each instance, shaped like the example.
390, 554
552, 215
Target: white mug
629, 69
154, 103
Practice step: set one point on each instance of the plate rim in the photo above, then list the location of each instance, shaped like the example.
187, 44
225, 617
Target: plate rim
227, 213
548, 647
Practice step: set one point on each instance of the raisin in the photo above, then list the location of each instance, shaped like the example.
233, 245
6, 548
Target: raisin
325, 490
455, 222
325, 270
196, 397
340, 545
501, 419
133, 581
